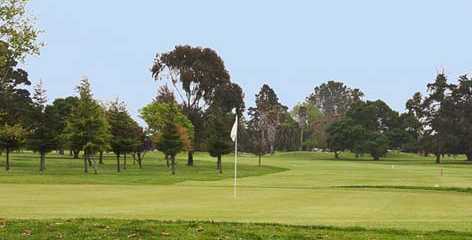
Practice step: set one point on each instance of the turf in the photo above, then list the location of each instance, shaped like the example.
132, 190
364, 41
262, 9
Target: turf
403, 191
125, 229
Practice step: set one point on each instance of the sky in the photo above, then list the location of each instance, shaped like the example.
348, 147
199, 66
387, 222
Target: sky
388, 49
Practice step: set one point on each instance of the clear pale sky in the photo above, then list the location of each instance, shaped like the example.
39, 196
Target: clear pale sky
388, 49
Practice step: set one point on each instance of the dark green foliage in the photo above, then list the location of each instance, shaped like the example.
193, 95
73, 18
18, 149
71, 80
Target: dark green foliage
59, 112
219, 141
43, 136
15, 100
125, 135
172, 138
87, 128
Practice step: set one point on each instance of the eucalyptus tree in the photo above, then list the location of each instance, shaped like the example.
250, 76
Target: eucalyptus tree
194, 73
267, 113
334, 98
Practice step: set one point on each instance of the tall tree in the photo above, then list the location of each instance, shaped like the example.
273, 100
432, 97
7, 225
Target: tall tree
123, 132
87, 127
42, 138
227, 97
219, 141
267, 113
195, 73
434, 119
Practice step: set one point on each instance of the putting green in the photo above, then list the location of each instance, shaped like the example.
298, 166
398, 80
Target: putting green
308, 193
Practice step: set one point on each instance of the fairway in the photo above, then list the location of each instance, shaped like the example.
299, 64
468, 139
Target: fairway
404, 191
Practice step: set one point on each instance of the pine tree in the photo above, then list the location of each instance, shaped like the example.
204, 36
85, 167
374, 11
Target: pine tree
43, 135
87, 127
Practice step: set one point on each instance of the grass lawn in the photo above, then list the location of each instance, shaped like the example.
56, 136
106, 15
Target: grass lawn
126, 229
403, 191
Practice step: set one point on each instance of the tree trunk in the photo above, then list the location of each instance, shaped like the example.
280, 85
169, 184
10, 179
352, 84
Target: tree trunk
76, 154
173, 164
438, 158
260, 160
42, 162
7, 164
469, 156
95, 170
70, 153
301, 139
220, 164
61, 151
85, 162
100, 157
134, 158
190, 158
167, 161
118, 168
336, 155
140, 160
125, 164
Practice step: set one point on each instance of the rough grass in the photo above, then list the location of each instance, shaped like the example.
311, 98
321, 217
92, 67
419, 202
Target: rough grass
126, 229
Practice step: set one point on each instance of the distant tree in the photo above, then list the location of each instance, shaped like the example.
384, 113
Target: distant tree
154, 114
11, 138
220, 119
42, 138
87, 127
368, 127
309, 119
59, 112
219, 141
455, 124
435, 122
345, 134
172, 138
334, 98
123, 132
267, 113
258, 138
195, 73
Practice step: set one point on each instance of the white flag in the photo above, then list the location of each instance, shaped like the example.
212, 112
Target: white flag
234, 130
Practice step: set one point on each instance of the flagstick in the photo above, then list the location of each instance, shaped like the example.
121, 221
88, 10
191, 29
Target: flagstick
235, 163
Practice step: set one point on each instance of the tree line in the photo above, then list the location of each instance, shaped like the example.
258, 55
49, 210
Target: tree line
195, 107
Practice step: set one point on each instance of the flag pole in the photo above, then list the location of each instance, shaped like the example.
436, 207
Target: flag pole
235, 160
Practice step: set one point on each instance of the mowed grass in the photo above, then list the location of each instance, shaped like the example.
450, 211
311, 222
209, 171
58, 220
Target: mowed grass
403, 191
135, 229
63, 169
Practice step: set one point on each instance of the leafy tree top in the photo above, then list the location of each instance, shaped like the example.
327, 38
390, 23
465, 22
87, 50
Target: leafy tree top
197, 71
334, 98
